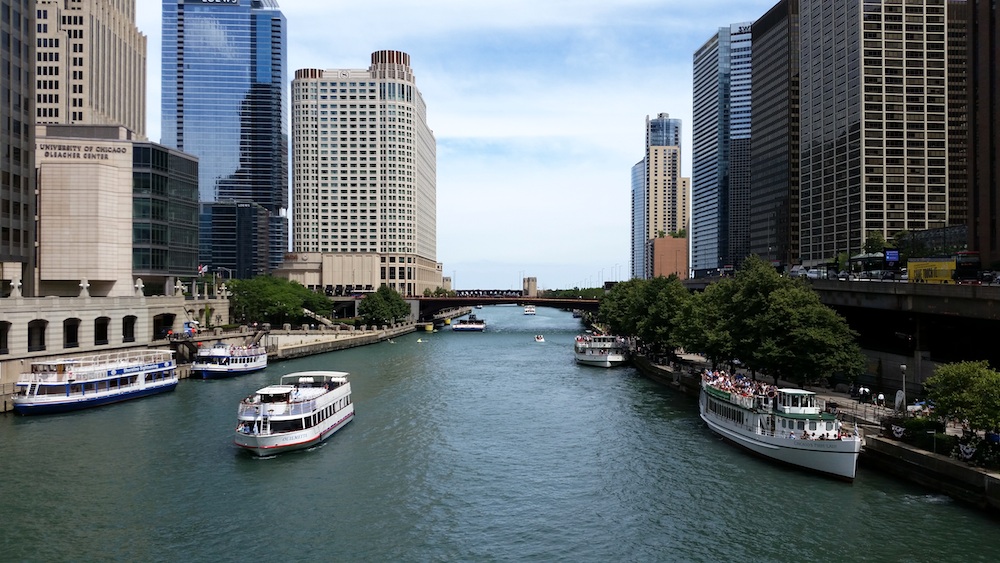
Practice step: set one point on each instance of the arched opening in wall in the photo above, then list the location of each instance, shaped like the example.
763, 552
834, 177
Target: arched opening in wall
36, 335
4, 336
128, 328
101, 330
71, 333
163, 325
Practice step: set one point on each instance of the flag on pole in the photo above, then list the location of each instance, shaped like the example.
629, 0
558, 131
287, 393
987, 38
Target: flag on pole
202, 270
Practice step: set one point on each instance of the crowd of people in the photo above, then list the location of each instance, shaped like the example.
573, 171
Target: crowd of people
737, 383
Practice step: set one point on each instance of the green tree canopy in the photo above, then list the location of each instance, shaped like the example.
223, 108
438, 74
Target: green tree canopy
622, 308
773, 324
967, 391
874, 242
659, 326
800, 339
274, 300
385, 306
649, 309
703, 326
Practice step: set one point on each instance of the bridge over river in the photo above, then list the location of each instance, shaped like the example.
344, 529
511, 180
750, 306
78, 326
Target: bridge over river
431, 305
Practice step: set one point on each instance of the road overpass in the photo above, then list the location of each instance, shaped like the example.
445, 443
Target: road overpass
967, 301
947, 322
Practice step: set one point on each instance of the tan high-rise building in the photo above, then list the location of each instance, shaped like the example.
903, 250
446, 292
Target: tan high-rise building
873, 122
91, 64
660, 197
364, 174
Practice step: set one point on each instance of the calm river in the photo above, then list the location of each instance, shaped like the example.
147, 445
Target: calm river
466, 447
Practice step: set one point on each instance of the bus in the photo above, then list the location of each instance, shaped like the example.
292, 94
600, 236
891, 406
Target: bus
968, 267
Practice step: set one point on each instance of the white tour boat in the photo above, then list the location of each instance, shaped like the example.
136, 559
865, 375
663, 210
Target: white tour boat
539, 338
471, 324
529, 309
224, 360
304, 409
600, 350
67, 384
783, 424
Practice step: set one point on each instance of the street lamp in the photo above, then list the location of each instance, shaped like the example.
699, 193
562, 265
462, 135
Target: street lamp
902, 369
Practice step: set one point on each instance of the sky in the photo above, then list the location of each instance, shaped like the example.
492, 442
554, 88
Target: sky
538, 108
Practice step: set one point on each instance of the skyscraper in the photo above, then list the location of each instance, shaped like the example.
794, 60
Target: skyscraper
722, 82
639, 230
660, 204
17, 148
874, 148
91, 64
364, 162
224, 100
984, 130
740, 90
774, 167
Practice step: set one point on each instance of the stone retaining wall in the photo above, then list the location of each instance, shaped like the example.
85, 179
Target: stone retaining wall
935, 471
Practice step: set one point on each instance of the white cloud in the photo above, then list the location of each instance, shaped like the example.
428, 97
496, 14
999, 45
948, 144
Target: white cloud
538, 109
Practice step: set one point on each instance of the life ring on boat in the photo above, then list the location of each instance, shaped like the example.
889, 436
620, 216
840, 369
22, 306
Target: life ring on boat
772, 393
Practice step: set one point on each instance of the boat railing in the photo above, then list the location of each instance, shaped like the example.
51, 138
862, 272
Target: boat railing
745, 401
277, 409
89, 368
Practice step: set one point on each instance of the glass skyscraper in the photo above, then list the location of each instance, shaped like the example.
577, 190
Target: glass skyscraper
17, 147
710, 155
721, 155
224, 100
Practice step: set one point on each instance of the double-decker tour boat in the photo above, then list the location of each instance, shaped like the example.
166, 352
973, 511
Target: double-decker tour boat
301, 411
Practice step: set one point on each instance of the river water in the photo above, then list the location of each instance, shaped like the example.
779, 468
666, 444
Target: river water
466, 447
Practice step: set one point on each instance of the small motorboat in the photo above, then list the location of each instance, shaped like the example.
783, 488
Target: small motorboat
539, 338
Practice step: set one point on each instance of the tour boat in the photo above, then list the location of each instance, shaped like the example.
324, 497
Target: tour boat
539, 338
225, 360
301, 411
782, 424
68, 384
529, 309
600, 350
471, 324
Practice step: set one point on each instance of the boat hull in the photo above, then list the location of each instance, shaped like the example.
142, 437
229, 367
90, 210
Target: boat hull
273, 444
69, 404
601, 361
835, 458
215, 372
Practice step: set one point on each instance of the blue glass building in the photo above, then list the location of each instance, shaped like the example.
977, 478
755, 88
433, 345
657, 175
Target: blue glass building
223, 99
639, 228
721, 157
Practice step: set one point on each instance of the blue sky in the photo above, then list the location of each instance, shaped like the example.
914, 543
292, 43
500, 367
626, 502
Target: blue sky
538, 107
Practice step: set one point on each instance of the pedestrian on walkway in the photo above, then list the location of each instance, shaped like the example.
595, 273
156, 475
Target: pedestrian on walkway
881, 399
